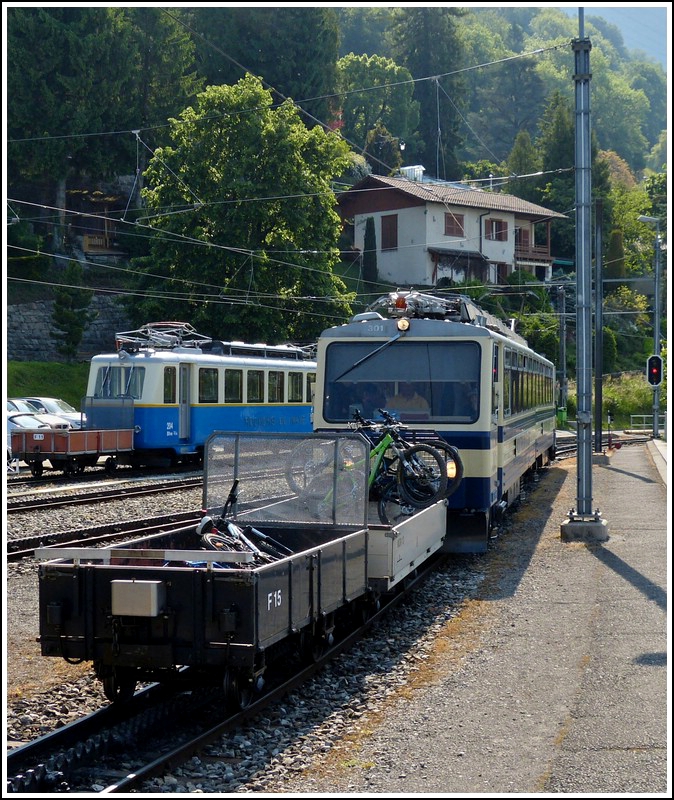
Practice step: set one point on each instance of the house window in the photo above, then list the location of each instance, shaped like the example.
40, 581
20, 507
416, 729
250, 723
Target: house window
496, 230
523, 238
389, 232
454, 225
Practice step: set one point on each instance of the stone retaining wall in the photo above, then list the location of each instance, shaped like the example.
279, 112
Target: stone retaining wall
29, 326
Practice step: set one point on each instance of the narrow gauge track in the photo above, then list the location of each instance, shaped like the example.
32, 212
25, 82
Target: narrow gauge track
568, 447
19, 548
151, 732
100, 496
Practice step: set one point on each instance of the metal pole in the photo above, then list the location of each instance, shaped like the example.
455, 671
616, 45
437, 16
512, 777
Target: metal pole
583, 524
584, 274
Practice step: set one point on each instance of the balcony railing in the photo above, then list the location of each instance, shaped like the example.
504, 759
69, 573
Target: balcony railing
535, 252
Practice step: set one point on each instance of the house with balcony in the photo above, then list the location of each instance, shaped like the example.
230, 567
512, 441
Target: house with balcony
437, 234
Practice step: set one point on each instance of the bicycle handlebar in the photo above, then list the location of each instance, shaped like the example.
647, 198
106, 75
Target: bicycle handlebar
390, 422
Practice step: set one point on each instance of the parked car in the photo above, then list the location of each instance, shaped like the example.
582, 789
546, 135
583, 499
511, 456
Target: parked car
19, 421
19, 405
53, 405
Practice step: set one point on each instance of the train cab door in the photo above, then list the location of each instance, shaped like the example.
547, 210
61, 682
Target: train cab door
184, 394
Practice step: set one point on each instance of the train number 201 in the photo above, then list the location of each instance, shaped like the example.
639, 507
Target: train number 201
274, 600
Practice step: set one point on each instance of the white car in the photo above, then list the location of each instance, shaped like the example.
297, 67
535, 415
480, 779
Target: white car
52, 405
21, 422
17, 405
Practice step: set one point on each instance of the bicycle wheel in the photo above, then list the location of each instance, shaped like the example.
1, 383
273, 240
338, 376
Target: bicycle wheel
453, 464
391, 508
422, 475
305, 465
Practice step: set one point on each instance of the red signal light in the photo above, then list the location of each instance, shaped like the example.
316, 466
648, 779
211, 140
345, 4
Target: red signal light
654, 370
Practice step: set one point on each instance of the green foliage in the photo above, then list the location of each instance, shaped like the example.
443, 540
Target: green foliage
48, 379
370, 273
414, 32
394, 109
294, 49
629, 394
71, 315
279, 286
624, 395
524, 159
382, 151
609, 350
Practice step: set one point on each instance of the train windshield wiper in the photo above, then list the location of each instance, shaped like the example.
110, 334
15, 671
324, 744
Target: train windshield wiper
369, 356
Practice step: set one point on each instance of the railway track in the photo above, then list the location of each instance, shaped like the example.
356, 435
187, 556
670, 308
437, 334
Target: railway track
100, 496
567, 446
162, 726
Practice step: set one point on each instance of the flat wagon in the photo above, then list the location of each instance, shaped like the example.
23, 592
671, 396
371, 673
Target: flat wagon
71, 450
268, 572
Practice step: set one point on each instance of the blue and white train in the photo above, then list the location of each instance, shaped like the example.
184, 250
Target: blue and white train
175, 387
477, 384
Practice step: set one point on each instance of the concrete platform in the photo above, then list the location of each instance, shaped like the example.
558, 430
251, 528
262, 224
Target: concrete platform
556, 682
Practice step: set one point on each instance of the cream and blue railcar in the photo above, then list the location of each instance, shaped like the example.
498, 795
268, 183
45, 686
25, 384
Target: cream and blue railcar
182, 386
482, 388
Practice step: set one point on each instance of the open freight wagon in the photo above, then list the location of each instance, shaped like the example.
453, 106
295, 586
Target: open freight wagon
276, 563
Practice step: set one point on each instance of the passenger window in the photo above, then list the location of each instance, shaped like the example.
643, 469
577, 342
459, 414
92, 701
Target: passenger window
275, 384
208, 385
295, 385
170, 384
255, 386
233, 386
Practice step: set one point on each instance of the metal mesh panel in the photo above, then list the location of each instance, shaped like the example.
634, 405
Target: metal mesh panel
318, 479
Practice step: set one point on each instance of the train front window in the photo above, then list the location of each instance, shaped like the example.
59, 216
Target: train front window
445, 376
116, 381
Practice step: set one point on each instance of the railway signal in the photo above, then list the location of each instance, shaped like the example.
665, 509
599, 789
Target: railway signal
654, 370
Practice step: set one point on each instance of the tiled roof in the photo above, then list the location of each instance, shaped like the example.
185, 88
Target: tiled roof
453, 194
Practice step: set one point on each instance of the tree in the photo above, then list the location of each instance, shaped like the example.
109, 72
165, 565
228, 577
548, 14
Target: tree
165, 78
524, 159
370, 273
382, 151
78, 63
414, 34
71, 315
626, 314
362, 30
245, 220
295, 50
556, 145
387, 101
614, 262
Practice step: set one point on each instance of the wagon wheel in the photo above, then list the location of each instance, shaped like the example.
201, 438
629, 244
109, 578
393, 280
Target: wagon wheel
69, 468
119, 686
110, 465
313, 646
36, 469
238, 692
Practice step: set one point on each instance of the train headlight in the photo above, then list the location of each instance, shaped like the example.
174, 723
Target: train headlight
403, 324
450, 467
